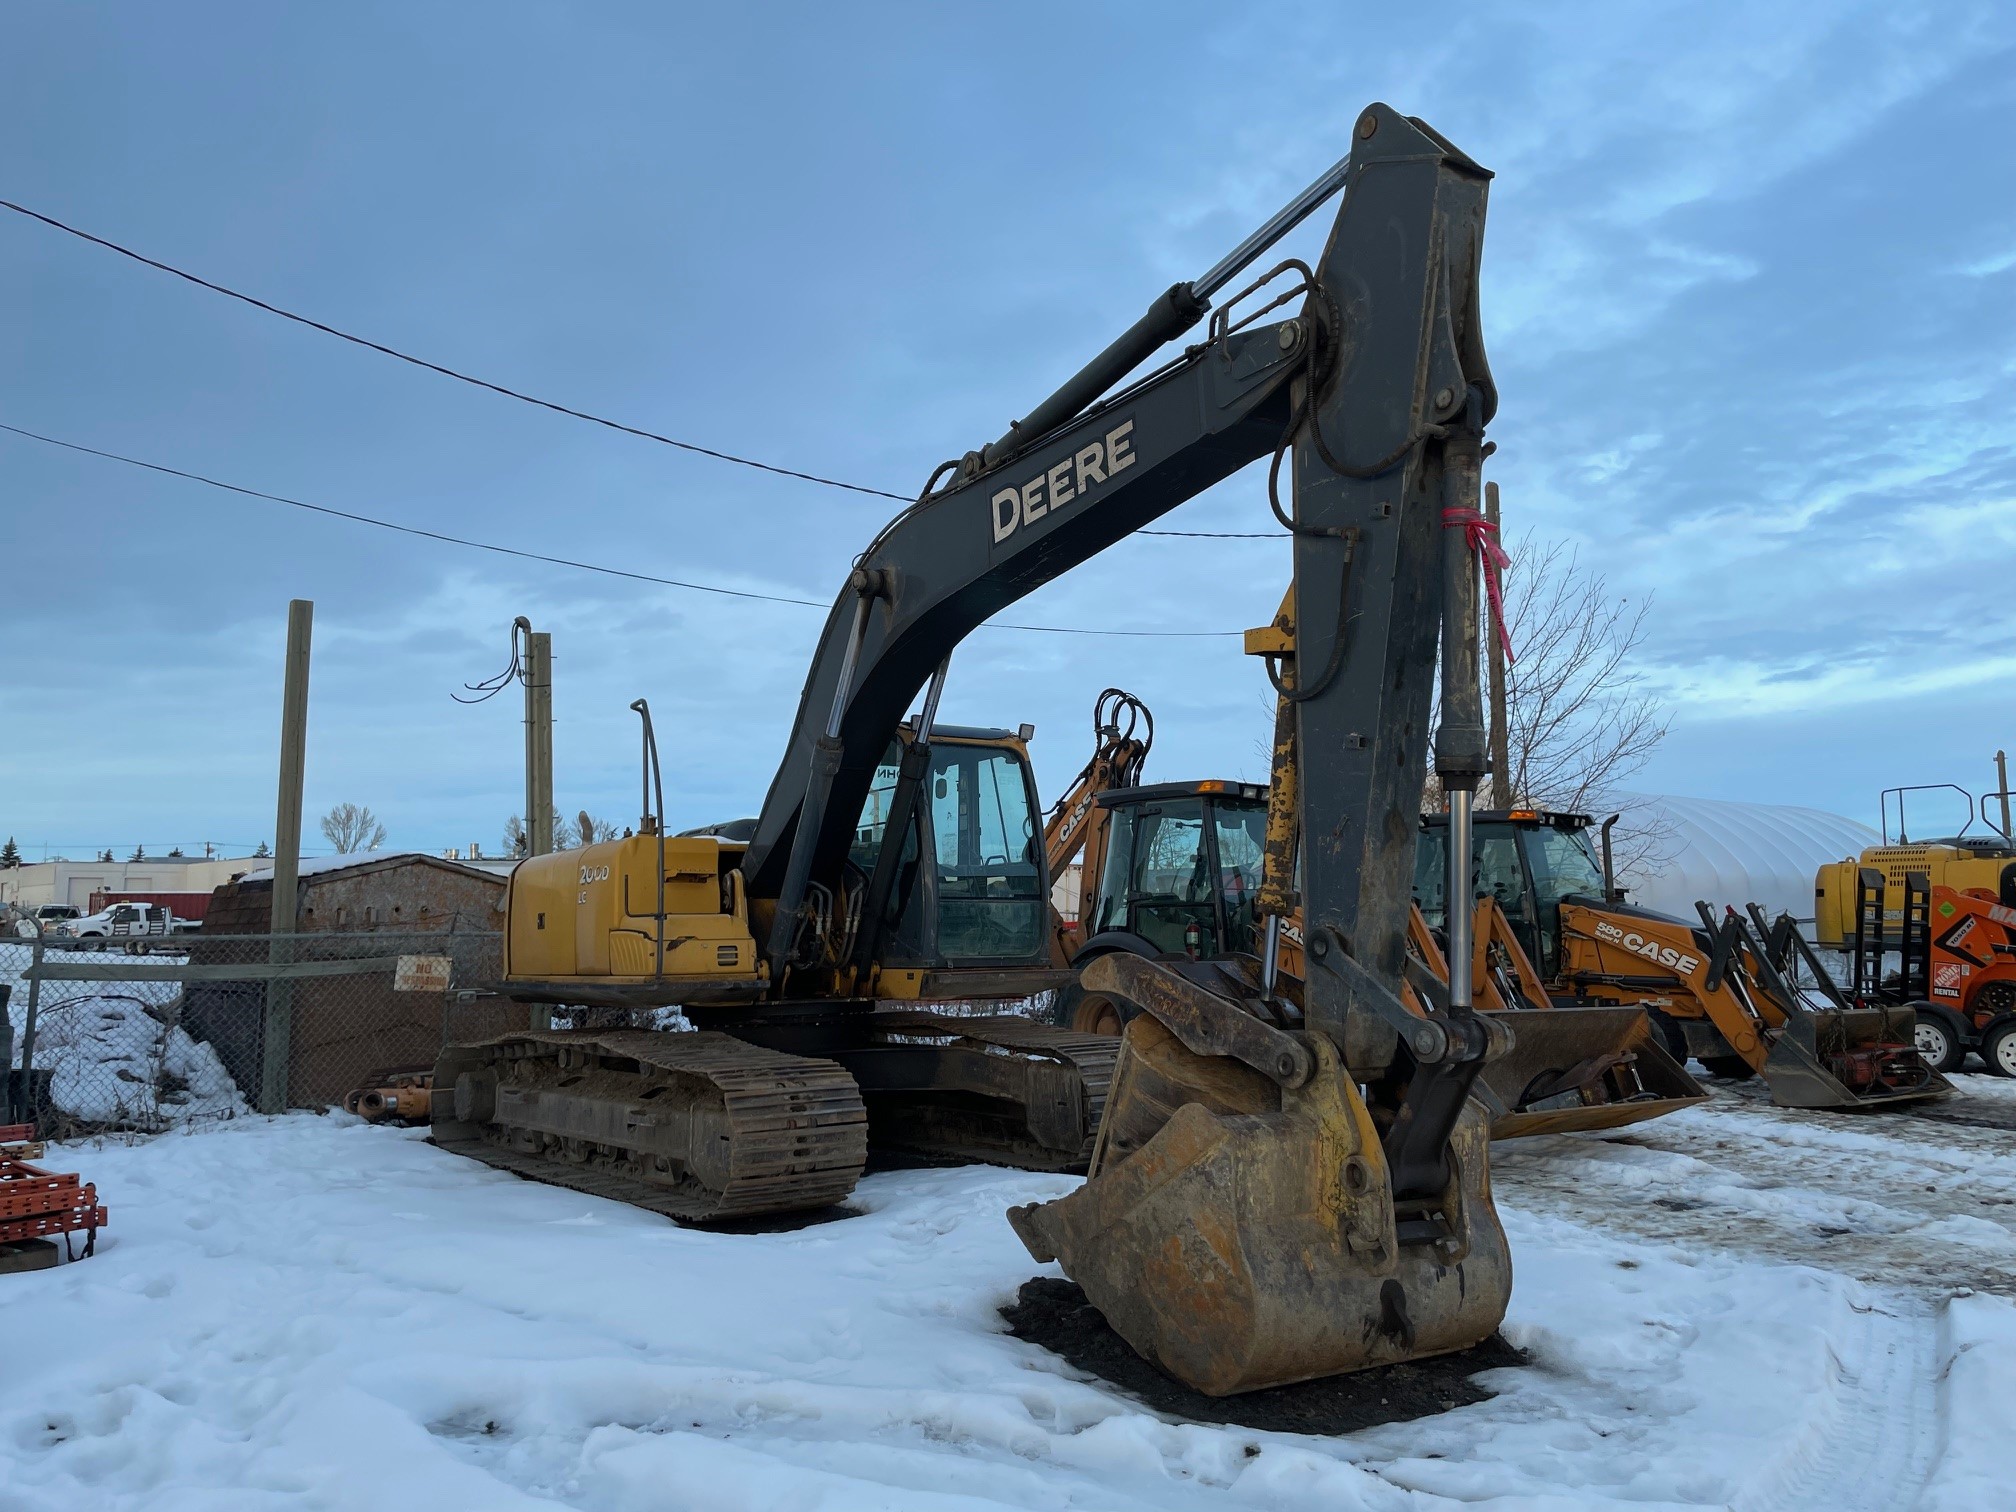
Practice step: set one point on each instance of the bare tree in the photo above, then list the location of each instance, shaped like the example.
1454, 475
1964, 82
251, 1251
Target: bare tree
1581, 720
518, 836
351, 828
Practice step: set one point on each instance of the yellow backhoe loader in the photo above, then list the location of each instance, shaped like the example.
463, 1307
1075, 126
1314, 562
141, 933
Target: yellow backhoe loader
1181, 880
1722, 989
1267, 1202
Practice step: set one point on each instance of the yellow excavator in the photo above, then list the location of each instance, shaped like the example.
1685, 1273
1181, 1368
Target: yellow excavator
1266, 1202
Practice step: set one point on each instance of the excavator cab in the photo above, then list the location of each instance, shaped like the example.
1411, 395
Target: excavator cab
983, 899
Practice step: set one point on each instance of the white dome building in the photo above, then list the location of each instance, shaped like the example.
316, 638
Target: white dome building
1727, 853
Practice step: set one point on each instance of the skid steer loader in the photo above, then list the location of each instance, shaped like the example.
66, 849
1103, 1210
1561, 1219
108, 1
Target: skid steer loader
1267, 1203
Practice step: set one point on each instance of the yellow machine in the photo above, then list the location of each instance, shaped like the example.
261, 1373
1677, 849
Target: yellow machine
1123, 731
1723, 990
1983, 863
1183, 875
1269, 1201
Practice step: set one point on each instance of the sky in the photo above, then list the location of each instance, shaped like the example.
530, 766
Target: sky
1749, 294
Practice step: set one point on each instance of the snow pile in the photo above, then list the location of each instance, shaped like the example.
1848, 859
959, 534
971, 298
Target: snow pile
1979, 1378
313, 1312
116, 1063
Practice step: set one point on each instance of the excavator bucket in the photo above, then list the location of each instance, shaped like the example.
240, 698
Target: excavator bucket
1582, 1068
1849, 1058
1242, 1233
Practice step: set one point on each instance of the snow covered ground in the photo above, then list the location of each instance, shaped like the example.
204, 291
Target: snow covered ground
309, 1312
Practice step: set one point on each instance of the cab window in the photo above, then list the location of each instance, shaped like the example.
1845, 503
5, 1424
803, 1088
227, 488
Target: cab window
990, 875
1563, 866
1167, 884
1242, 841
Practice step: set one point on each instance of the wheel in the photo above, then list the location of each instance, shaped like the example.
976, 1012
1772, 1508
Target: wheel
1998, 1047
1938, 1046
1672, 1038
1728, 1067
1085, 1012
1996, 997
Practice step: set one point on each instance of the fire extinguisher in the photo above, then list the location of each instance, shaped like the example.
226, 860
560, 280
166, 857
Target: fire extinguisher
1193, 940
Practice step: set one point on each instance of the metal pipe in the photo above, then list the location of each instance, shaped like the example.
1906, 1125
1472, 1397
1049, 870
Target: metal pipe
845, 683
652, 772
1174, 311
1270, 963
932, 691
1460, 757
1609, 871
2002, 782
1276, 226
1461, 903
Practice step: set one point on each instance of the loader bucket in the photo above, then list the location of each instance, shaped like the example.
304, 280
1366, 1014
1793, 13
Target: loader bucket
1850, 1058
1244, 1249
1582, 1068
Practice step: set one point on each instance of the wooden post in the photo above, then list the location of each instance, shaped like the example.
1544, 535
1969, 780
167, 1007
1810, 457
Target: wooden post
1502, 795
538, 742
278, 1039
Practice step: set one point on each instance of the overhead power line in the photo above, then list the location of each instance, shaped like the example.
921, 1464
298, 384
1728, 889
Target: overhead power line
536, 556
436, 367
510, 393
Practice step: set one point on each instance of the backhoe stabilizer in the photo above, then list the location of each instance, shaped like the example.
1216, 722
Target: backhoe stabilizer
1239, 1250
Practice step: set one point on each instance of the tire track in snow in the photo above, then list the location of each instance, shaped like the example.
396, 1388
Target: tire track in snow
1876, 1449
1889, 1200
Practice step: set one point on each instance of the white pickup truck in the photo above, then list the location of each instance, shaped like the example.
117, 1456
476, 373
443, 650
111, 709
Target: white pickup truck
50, 916
133, 923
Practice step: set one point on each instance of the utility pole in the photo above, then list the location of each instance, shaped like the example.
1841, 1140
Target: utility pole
538, 677
1501, 737
2002, 783
278, 1040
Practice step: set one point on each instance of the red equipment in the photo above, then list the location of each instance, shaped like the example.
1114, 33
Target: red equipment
37, 1205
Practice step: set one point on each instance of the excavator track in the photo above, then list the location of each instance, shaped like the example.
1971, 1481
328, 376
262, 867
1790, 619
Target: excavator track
1064, 1077
701, 1127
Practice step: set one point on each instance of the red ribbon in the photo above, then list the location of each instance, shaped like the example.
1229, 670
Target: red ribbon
1483, 538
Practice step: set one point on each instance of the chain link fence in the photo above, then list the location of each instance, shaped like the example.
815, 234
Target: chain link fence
222, 1026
